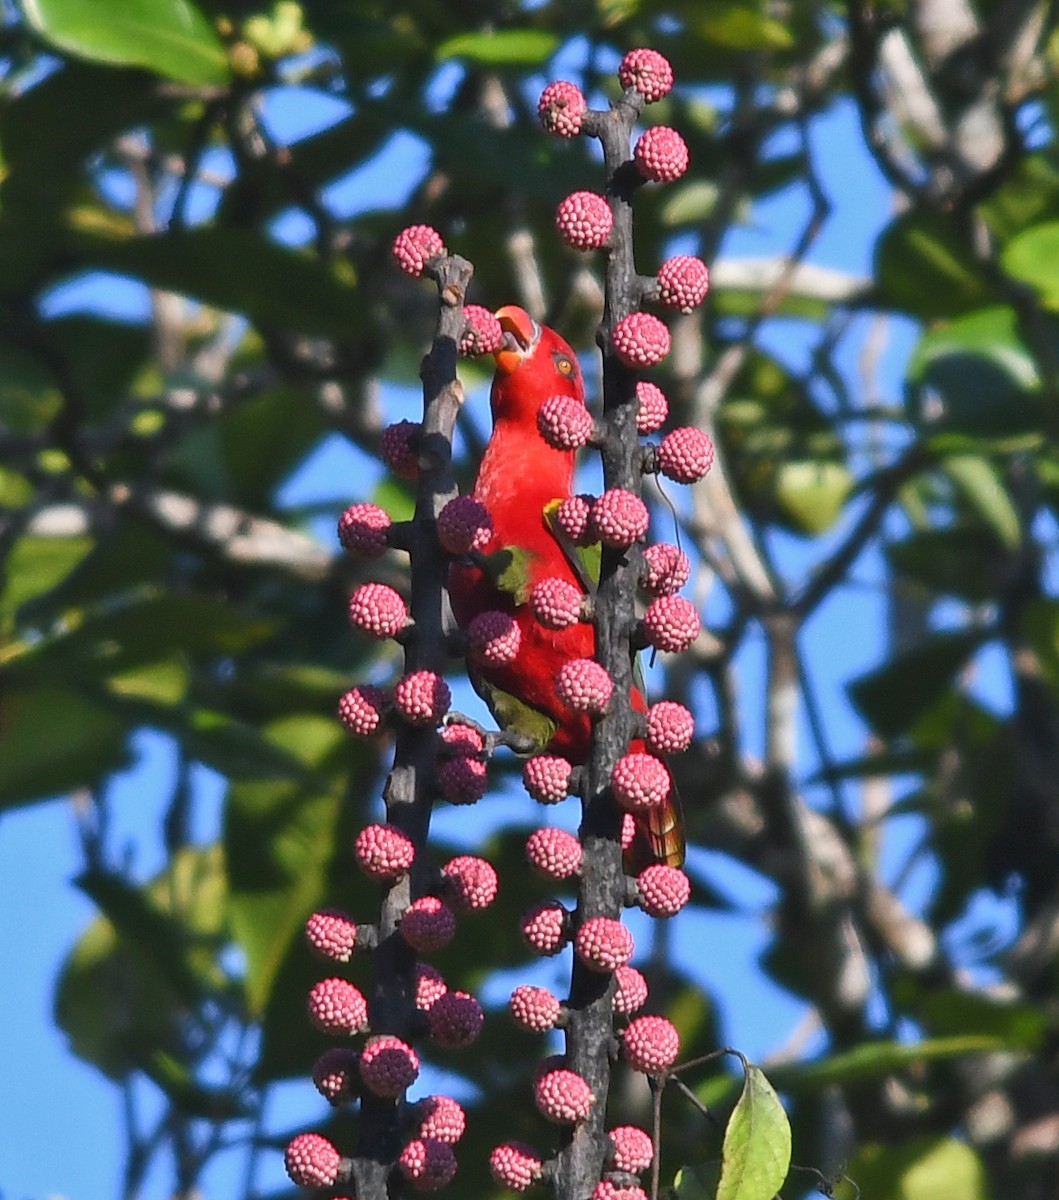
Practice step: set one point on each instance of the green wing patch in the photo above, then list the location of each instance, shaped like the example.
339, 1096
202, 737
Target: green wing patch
585, 560
508, 571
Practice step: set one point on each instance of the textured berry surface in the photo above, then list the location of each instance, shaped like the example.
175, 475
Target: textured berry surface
619, 518
336, 1074
383, 851
555, 853
336, 1006
561, 108
661, 154
362, 530
641, 340
331, 935
666, 569
471, 882
640, 781
388, 1066
631, 1149
464, 524
685, 455
428, 924
482, 333
603, 944
631, 993
650, 1044
462, 739
544, 927
312, 1161
584, 220
663, 890
573, 516
652, 408
683, 282
564, 423
608, 1190
494, 638
415, 246
362, 709
515, 1166
534, 1008
441, 1118
456, 1019
562, 1096
396, 449
670, 727
583, 685
427, 1164
422, 698
556, 603
377, 609
547, 778
671, 623
462, 779
628, 830
648, 72
430, 987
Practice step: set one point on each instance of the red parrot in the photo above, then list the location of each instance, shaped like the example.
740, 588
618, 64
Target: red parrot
520, 479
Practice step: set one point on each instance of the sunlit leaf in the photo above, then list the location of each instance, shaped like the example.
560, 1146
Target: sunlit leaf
756, 1155
524, 47
1031, 257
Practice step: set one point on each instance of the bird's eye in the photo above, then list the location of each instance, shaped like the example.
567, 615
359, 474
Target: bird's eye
564, 365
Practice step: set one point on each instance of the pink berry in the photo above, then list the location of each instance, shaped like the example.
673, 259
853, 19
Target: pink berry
464, 524
663, 891
640, 781
555, 853
603, 944
494, 638
572, 517
661, 154
471, 882
544, 927
422, 698
378, 609
427, 1164
547, 778
653, 407
556, 603
671, 623
362, 709
665, 570
534, 1008
670, 727
482, 333
331, 934
631, 1149
397, 448
648, 72
619, 518
641, 340
650, 1044
584, 686
628, 831
683, 282
455, 1020
428, 925
515, 1166
430, 987
685, 455
383, 852
336, 1006
441, 1118
462, 739
563, 1096
584, 220
462, 779
564, 423
312, 1161
606, 1189
388, 1066
336, 1074
415, 246
631, 993
561, 109
362, 530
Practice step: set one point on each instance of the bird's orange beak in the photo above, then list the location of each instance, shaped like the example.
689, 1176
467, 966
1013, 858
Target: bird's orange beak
520, 334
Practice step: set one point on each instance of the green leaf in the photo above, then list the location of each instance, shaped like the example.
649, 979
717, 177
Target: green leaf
980, 485
689, 203
1031, 257
811, 494
36, 565
925, 267
926, 1168
757, 1143
1040, 627
698, 1182
505, 47
741, 25
960, 560
169, 37
893, 697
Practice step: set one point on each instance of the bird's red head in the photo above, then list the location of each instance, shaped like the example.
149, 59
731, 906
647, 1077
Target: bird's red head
533, 363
